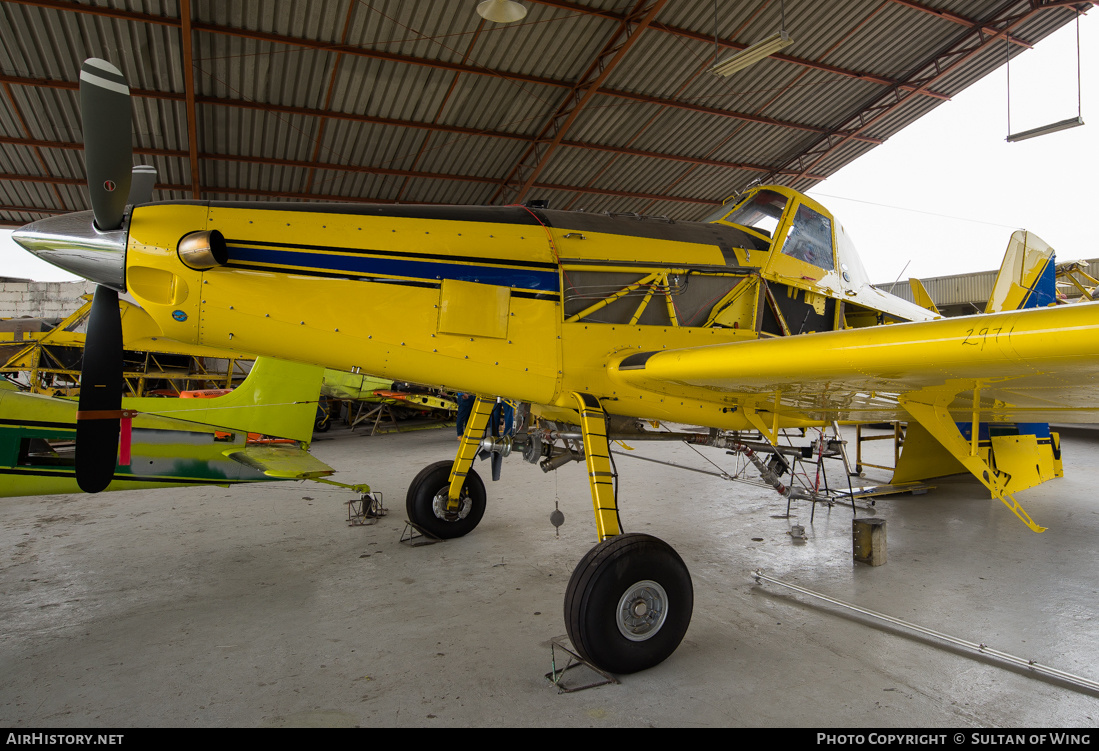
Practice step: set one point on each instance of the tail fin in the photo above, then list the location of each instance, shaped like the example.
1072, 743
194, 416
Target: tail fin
278, 398
1028, 275
921, 297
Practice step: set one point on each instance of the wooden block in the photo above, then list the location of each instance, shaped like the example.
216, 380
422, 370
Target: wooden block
869, 540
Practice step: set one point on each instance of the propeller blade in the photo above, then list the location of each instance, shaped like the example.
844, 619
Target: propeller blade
108, 144
99, 409
142, 180
497, 465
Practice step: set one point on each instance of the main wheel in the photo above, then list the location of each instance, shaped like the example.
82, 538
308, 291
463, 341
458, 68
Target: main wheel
426, 502
628, 603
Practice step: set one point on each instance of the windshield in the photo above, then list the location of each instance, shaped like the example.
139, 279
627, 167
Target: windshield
809, 238
760, 211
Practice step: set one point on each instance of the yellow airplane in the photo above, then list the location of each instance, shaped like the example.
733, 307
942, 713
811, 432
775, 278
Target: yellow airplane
258, 432
760, 318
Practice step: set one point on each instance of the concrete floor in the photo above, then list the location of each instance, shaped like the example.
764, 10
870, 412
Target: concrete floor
260, 606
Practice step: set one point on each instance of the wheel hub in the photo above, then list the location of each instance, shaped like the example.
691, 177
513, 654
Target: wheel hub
642, 610
439, 506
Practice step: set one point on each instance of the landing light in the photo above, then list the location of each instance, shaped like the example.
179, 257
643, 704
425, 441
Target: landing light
203, 250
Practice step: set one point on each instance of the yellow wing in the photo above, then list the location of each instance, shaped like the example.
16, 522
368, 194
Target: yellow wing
1037, 365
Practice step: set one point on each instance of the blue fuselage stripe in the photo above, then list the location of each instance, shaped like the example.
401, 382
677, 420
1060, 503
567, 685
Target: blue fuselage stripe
371, 265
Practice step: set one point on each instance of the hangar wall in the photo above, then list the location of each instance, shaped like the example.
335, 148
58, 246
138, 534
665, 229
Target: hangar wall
19, 297
964, 294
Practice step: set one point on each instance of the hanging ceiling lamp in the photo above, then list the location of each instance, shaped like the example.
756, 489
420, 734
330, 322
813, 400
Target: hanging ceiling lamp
753, 54
501, 11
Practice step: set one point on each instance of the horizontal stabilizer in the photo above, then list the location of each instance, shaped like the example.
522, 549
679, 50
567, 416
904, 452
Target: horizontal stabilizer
278, 398
281, 461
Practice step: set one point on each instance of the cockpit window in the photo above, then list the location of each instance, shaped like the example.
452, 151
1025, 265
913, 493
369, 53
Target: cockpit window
810, 238
761, 211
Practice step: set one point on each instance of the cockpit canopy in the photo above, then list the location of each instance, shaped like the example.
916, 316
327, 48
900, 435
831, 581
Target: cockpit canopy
809, 248
760, 211
808, 236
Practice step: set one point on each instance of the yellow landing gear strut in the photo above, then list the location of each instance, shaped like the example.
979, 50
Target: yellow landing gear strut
629, 600
597, 456
938, 422
467, 451
447, 499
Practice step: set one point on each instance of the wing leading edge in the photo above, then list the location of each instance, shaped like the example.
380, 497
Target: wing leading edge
1037, 365
1026, 366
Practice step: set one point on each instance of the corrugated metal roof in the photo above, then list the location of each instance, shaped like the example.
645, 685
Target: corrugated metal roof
595, 104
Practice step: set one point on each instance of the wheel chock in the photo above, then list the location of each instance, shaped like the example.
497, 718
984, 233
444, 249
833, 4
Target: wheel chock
556, 677
415, 536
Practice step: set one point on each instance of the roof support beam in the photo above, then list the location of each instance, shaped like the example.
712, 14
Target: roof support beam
532, 163
189, 89
729, 44
46, 179
368, 119
482, 71
26, 131
357, 199
562, 4
443, 105
957, 18
979, 37
410, 60
319, 140
73, 146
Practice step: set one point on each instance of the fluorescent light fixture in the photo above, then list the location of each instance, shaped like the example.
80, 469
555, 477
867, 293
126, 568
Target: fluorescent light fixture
1072, 122
752, 55
501, 11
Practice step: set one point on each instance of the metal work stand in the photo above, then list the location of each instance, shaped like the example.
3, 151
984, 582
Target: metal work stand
365, 510
380, 413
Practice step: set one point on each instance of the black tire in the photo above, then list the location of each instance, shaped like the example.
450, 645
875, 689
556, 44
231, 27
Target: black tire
426, 502
600, 583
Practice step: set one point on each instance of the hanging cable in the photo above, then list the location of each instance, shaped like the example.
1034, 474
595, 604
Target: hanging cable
1008, 36
1043, 130
717, 48
1079, 96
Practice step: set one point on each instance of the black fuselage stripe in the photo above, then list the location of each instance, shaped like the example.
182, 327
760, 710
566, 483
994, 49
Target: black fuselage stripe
517, 215
69, 475
39, 424
502, 262
554, 296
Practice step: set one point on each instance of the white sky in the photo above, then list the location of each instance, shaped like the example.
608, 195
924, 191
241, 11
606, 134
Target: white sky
943, 196
896, 200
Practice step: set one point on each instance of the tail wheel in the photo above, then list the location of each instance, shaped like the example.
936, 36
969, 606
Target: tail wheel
628, 603
427, 501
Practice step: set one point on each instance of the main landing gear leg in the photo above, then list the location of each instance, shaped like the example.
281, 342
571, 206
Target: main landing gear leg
447, 499
630, 599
